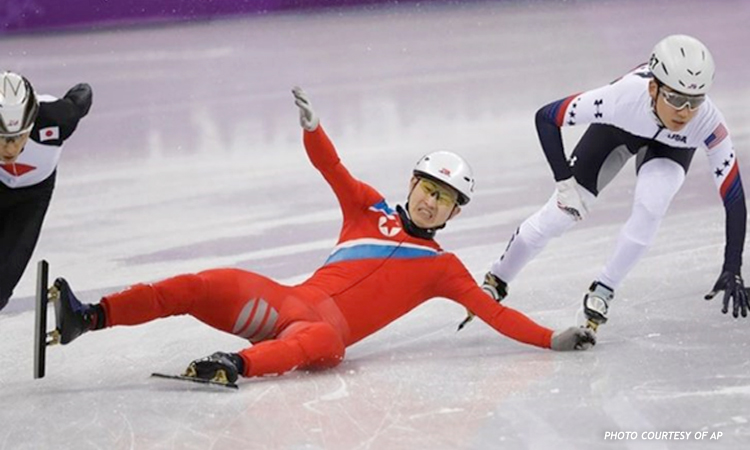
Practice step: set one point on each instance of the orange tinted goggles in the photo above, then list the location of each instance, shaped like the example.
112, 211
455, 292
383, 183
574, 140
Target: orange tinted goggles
443, 196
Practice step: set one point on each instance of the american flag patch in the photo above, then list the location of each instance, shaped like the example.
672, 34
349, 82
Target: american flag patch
716, 137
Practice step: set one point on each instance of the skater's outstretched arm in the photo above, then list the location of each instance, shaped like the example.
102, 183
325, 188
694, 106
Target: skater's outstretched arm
349, 191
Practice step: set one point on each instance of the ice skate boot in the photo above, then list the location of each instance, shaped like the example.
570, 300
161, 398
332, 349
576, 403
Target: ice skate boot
72, 318
495, 288
596, 304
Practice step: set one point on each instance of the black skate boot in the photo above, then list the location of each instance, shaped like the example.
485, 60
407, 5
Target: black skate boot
72, 317
495, 288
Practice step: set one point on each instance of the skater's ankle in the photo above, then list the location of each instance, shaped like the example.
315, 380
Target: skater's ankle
94, 318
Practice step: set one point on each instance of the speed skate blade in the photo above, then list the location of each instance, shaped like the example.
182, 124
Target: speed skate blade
227, 385
40, 329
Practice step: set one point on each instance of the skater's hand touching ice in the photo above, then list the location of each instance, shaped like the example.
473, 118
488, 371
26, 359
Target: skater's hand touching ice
734, 291
573, 338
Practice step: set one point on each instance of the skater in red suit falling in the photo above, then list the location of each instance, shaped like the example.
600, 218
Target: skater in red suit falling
385, 264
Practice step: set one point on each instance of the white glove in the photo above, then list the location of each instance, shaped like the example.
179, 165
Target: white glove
573, 338
569, 199
307, 117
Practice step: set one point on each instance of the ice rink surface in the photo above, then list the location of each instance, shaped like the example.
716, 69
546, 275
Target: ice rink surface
191, 158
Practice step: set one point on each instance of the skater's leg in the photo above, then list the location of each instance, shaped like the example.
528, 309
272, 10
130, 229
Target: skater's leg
286, 327
20, 227
143, 303
658, 182
530, 238
599, 155
302, 345
232, 300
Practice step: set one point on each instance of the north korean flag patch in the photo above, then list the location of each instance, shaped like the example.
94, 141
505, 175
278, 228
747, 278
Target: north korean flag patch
49, 133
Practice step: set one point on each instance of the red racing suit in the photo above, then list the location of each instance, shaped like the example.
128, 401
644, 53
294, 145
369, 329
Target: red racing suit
375, 274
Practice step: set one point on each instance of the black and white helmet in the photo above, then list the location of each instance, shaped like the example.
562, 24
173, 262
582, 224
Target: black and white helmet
684, 64
450, 169
18, 105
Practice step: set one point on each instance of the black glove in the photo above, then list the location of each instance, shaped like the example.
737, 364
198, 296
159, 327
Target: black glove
81, 96
734, 289
221, 367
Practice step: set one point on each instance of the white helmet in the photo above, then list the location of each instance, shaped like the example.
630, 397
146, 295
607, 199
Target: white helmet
683, 63
450, 169
18, 104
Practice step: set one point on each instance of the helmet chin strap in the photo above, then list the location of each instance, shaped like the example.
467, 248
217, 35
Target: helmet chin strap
411, 228
653, 106
656, 116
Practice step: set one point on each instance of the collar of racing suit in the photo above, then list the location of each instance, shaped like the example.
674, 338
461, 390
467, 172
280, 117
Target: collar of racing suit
412, 229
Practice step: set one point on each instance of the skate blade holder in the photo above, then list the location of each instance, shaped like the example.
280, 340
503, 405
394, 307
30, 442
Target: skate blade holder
53, 337
220, 376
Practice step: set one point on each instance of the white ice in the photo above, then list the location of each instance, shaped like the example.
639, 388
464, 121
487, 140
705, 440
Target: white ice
191, 158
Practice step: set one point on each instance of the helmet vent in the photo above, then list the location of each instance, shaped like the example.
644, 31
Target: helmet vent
665, 68
683, 51
8, 87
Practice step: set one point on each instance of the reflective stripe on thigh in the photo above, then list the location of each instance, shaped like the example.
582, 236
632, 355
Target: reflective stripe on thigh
256, 321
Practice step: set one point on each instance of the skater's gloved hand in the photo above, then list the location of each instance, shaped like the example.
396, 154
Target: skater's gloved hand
211, 367
573, 338
81, 96
734, 290
569, 199
307, 117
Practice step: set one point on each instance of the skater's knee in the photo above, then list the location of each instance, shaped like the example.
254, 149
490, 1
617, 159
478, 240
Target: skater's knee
644, 222
652, 209
547, 223
658, 182
322, 345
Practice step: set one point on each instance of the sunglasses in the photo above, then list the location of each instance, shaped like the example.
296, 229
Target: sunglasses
679, 101
443, 195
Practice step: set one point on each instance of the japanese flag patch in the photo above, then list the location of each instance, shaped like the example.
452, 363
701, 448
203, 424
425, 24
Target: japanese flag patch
49, 133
